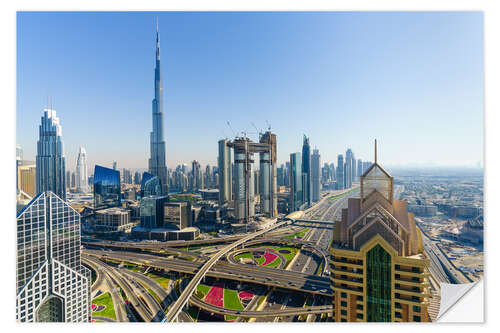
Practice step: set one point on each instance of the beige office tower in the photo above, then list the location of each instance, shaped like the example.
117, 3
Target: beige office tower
26, 179
378, 268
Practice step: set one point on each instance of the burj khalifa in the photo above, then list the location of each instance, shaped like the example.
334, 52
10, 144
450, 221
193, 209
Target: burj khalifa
157, 165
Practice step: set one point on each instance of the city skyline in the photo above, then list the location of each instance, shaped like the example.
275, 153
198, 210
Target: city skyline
456, 86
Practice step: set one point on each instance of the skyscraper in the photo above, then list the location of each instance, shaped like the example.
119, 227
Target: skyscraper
378, 265
360, 168
316, 175
340, 172
268, 181
106, 188
296, 194
244, 207
353, 168
348, 168
52, 284
82, 177
306, 170
50, 159
157, 164
196, 176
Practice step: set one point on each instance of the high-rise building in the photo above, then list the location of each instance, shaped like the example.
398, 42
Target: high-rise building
26, 179
225, 172
150, 185
152, 211
316, 175
332, 172
268, 179
157, 162
306, 171
360, 168
127, 176
52, 284
208, 176
353, 169
19, 159
244, 207
73, 180
82, 176
68, 178
340, 172
196, 176
50, 159
378, 268
107, 188
348, 168
137, 178
115, 166
257, 183
296, 194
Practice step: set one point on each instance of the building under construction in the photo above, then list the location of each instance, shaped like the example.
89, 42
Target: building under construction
244, 196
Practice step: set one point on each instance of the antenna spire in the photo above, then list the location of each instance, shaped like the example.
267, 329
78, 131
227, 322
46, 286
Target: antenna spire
375, 151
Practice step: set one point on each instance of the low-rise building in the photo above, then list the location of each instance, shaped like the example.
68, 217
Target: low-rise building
112, 219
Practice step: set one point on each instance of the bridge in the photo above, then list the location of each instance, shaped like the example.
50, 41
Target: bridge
256, 314
316, 221
191, 287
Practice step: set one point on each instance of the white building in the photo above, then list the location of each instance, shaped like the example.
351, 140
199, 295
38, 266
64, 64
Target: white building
82, 177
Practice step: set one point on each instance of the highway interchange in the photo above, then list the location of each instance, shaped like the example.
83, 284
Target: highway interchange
310, 284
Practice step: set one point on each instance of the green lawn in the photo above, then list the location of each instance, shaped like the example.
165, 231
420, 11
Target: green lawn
203, 289
109, 311
300, 234
132, 266
290, 256
232, 301
244, 255
161, 280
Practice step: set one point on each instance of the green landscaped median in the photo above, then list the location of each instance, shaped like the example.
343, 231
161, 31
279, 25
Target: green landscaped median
109, 311
341, 195
300, 234
232, 301
161, 280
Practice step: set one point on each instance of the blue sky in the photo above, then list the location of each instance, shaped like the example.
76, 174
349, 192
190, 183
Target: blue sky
412, 80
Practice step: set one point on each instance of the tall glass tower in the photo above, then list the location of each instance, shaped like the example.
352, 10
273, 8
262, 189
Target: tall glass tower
316, 175
50, 159
306, 171
296, 192
51, 283
225, 172
82, 177
157, 164
340, 172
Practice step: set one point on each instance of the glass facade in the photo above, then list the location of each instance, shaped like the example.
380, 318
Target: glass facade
152, 211
50, 159
378, 285
296, 181
306, 171
377, 179
106, 188
48, 263
150, 185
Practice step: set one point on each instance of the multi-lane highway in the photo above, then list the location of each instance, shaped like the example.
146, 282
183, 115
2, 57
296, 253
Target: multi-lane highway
237, 272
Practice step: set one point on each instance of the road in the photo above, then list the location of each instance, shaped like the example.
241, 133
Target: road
119, 304
191, 287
